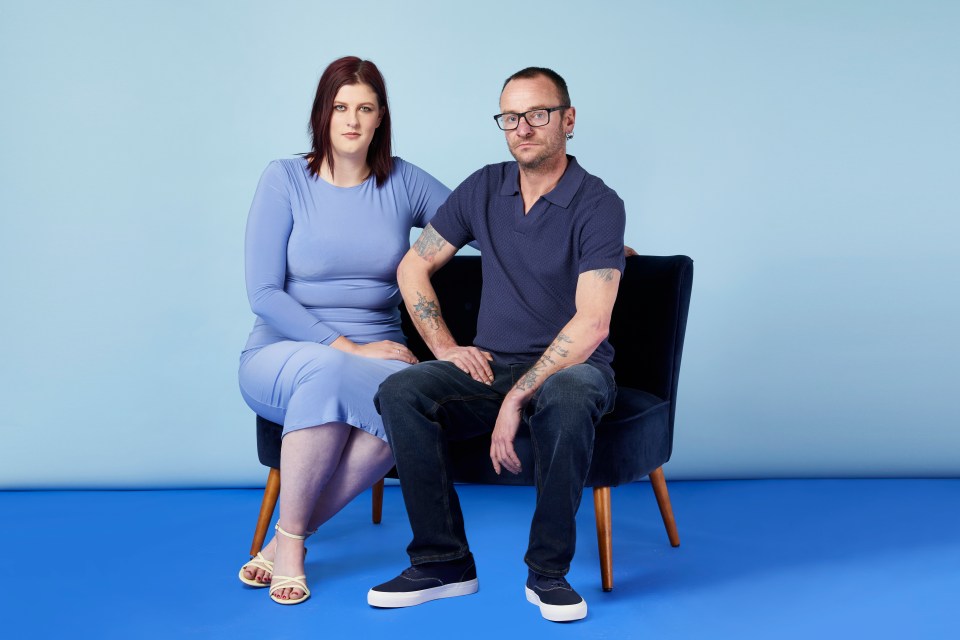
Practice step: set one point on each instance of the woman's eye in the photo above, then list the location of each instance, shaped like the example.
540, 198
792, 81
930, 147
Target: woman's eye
339, 107
366, 109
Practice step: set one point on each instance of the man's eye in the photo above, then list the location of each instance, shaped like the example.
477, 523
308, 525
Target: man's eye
538, 115
510, 118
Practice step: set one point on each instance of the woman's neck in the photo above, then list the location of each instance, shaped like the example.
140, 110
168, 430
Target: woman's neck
348, 171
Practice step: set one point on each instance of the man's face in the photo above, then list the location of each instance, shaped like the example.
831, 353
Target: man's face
532, 147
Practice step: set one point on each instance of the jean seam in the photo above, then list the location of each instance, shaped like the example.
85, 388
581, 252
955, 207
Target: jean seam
449, 399
537, 468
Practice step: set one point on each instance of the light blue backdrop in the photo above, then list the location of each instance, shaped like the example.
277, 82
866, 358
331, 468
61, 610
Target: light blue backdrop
803, 153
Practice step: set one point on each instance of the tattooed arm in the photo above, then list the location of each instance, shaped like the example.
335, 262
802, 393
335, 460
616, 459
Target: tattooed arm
576, 342
426, 256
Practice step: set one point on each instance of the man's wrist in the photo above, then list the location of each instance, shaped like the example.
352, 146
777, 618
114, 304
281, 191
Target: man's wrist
443, 347
516, 400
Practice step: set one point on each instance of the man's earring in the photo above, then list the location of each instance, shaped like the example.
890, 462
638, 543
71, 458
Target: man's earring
570, 136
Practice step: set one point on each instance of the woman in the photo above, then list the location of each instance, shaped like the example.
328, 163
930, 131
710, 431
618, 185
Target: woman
324, 236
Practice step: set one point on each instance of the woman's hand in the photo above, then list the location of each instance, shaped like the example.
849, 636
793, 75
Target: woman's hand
383, 350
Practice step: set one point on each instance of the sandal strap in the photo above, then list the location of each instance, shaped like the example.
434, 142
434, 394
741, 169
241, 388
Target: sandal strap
289, 582
259, 562
293, 535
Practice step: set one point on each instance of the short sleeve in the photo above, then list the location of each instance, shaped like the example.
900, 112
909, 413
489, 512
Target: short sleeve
601, 238
453, 220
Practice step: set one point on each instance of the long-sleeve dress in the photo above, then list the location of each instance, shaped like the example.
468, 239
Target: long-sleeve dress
321, 263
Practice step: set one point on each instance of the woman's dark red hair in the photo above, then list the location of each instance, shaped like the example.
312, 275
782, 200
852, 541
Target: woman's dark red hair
350, 70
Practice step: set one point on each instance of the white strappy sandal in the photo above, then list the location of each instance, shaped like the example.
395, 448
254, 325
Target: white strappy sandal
279, 583
260, 562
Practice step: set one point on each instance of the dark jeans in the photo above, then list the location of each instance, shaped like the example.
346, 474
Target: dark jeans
429, 404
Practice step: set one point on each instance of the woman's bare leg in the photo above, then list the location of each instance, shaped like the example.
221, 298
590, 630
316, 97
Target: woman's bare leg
308, 459
322, 471
365, 459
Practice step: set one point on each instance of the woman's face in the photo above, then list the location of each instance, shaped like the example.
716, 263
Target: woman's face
356, 115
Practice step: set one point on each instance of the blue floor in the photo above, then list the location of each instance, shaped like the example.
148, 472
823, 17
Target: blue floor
758, 559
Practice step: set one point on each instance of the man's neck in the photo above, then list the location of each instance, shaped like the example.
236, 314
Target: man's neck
538, 182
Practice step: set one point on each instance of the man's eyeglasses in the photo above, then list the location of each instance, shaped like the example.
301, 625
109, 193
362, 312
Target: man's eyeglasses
534, 118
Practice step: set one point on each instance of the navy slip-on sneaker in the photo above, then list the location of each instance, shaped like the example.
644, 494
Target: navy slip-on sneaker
425, 582
557, 600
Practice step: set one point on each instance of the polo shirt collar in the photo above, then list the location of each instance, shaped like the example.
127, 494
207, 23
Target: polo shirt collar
561, 195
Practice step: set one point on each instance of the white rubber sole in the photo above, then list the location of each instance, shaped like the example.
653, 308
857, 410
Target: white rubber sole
556, 613
388, 600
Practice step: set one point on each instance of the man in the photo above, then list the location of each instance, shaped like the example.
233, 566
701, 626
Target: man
551, 241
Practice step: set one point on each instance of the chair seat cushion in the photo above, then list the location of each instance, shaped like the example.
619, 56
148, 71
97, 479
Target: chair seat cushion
632, 440
269, 435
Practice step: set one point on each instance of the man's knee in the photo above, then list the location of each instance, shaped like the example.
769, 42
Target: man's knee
395, 384
412, 385
576, 386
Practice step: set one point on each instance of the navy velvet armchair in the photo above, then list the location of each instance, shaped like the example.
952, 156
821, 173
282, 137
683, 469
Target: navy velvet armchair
635, 440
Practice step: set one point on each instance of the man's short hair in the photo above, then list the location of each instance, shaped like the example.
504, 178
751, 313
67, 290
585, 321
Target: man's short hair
533, 72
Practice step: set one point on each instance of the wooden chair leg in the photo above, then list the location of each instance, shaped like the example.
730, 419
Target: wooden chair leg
659, 485
270, 494
378, 501
601, 508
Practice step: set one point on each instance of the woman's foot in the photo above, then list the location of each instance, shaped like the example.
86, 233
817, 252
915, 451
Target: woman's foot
290, 582
258, 571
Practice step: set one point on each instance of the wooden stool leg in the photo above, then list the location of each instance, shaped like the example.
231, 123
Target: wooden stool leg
270, 494
659, 485
378, 501
601, 508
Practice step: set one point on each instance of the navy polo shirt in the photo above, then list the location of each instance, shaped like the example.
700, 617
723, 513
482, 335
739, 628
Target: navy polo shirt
531, 262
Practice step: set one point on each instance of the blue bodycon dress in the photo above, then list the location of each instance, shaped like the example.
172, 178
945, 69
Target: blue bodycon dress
321, 263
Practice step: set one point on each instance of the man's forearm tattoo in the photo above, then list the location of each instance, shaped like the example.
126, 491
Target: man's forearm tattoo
557, 345
529, 380
429, 243
604, 274
427, 311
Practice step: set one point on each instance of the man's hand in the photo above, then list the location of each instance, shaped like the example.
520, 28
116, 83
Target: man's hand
470, 360
502, 453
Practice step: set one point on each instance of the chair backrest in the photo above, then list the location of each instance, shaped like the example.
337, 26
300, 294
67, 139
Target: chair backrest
458, 285
647, 328
649, 323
